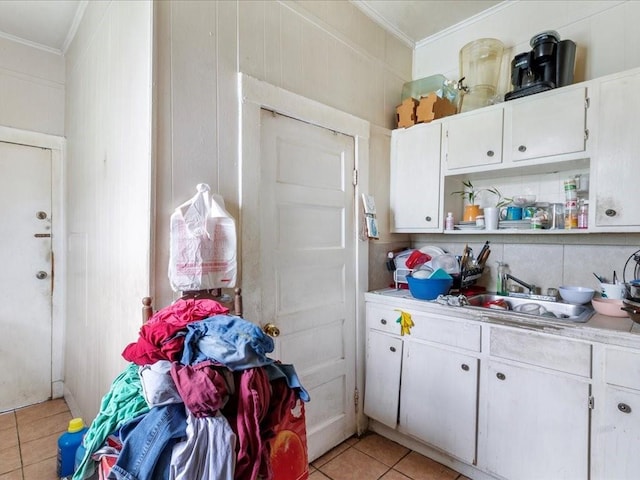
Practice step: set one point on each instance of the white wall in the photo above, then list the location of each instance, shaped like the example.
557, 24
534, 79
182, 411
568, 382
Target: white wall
108, 175
31, 88
324, 50
606, 34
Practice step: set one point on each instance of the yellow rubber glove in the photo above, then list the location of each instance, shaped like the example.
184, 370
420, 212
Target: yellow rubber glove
405, 322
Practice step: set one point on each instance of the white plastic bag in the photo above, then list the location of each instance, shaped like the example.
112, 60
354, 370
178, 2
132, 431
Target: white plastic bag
202, 246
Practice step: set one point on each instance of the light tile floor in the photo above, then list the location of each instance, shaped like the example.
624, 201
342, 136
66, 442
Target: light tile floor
372, 457
28, 446
29, 439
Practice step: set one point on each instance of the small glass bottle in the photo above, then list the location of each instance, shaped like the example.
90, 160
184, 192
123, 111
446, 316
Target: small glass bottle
583, 214
449, 222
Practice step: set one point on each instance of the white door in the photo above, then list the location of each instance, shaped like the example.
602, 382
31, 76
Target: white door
308, 263
25, 276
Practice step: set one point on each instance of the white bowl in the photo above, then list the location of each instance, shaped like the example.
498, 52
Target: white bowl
577, 295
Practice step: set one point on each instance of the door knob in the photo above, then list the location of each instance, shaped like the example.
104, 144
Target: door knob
271, 330
41, 275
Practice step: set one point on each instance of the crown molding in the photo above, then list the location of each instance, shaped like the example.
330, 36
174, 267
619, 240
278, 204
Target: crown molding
77, 18
372, 14
466, 23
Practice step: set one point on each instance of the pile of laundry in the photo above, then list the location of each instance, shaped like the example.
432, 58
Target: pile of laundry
200, 399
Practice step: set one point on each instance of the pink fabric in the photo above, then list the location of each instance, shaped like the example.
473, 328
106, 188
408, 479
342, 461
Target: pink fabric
203, 386
157, 340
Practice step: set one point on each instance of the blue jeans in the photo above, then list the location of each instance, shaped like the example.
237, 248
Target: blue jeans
147, 442
229, 340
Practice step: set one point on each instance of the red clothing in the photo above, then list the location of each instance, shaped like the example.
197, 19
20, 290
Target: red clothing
255, 410
204, 387
158, 340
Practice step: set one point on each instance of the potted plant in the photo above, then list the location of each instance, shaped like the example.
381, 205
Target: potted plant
469, 194
502, 201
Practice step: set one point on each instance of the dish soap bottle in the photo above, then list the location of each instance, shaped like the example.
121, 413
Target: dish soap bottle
501, 287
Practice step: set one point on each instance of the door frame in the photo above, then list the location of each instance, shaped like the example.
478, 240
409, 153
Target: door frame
256, 95
58, 242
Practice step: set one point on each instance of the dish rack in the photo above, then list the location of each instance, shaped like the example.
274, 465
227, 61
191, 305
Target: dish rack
468, 277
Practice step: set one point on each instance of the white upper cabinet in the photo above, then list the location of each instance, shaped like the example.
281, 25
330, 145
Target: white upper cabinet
473, 140
553, 124
617, 153
415, 179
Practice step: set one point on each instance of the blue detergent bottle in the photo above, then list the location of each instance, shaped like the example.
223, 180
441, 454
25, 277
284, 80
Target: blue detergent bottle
68, 443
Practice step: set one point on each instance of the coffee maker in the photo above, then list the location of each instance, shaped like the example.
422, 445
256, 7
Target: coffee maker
548, 65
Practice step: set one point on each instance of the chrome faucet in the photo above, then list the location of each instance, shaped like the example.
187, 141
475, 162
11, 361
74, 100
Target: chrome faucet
531, 287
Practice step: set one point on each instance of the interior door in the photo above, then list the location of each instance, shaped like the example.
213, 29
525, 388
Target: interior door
25, 276
308, 259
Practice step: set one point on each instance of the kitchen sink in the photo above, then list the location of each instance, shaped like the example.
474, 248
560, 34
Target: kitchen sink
534, 307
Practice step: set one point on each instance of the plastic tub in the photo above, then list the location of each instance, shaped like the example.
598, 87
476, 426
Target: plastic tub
611, 307
429, 288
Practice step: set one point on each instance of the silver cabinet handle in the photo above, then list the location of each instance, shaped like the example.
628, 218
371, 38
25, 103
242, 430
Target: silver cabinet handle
501, 376
464, 367
383, 321
427, 218
490, 153
41, 275
393, 349
610, 212
522, 148
624, 408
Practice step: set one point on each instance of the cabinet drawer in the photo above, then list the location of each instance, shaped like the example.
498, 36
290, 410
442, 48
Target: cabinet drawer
622, 368
433, 328
383, 319
440, 329
544, 351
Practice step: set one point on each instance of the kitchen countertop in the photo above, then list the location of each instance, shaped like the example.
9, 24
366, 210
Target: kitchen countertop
620, 331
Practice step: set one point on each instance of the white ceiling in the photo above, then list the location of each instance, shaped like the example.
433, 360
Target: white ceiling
416, 20
46, 24
51, 24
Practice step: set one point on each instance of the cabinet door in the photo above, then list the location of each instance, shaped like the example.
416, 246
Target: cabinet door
617, 153
438, 399
537, 424
617, 453
551, 125
415, 179
382, 380
474, 139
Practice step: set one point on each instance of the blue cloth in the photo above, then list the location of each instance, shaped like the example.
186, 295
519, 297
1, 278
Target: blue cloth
229, 340
147, 443
288, 372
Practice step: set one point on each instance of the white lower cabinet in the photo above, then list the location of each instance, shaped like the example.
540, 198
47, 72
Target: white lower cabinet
617, 456
382, 380
617, 417
500, 401
439, 398
537, 424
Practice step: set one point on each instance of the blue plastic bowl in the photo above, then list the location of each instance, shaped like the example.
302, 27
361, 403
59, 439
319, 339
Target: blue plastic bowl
429, 288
